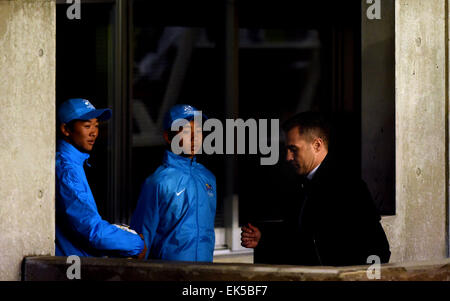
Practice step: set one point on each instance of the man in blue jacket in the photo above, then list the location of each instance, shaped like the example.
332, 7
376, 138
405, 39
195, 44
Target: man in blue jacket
177, 205
80, 230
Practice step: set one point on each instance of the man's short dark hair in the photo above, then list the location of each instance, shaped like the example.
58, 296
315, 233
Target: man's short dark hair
310, 124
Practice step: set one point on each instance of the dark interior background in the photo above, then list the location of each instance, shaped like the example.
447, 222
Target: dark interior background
292, 55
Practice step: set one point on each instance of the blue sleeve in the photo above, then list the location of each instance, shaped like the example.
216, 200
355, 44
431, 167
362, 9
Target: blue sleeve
83, 218
145, 219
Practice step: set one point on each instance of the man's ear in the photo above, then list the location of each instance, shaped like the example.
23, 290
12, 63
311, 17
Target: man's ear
318, 144
64, 130
166, 137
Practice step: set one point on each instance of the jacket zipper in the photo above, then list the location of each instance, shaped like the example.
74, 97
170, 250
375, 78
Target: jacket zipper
198, 226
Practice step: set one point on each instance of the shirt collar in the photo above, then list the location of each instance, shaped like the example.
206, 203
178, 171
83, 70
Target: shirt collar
71, 153
312, 172
178, 161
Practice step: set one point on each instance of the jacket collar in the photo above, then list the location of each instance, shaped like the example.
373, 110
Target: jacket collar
71, 153
178, 161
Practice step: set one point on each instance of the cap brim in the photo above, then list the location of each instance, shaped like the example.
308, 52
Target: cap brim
100, 114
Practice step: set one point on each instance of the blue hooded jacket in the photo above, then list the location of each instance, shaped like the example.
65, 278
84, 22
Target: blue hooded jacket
176, 211
80, 230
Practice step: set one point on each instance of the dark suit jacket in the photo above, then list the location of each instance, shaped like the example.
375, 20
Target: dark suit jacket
332, 222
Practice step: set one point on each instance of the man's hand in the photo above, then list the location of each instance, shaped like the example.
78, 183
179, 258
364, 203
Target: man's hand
250, 236
144, 251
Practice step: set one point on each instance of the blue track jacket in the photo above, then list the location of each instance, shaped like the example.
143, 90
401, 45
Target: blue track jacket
79, 228
176, 211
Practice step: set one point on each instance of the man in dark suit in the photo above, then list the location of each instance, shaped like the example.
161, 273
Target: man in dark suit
334, 222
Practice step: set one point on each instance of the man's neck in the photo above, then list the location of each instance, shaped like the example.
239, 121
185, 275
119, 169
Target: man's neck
310, 175
312, 172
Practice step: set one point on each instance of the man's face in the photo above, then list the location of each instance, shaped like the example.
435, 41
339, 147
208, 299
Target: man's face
191, 138
300, 152
84, 134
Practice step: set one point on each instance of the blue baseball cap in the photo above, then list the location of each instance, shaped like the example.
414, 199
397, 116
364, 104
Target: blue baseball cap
82, 109
181, 112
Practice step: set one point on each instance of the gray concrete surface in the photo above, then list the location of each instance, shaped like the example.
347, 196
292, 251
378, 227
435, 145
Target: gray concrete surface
27, 132
419, 229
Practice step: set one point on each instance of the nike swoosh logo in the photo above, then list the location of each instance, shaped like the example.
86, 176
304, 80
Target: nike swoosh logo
178, 193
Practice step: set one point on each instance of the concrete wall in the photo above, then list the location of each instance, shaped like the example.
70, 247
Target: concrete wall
27, 132
419, 229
